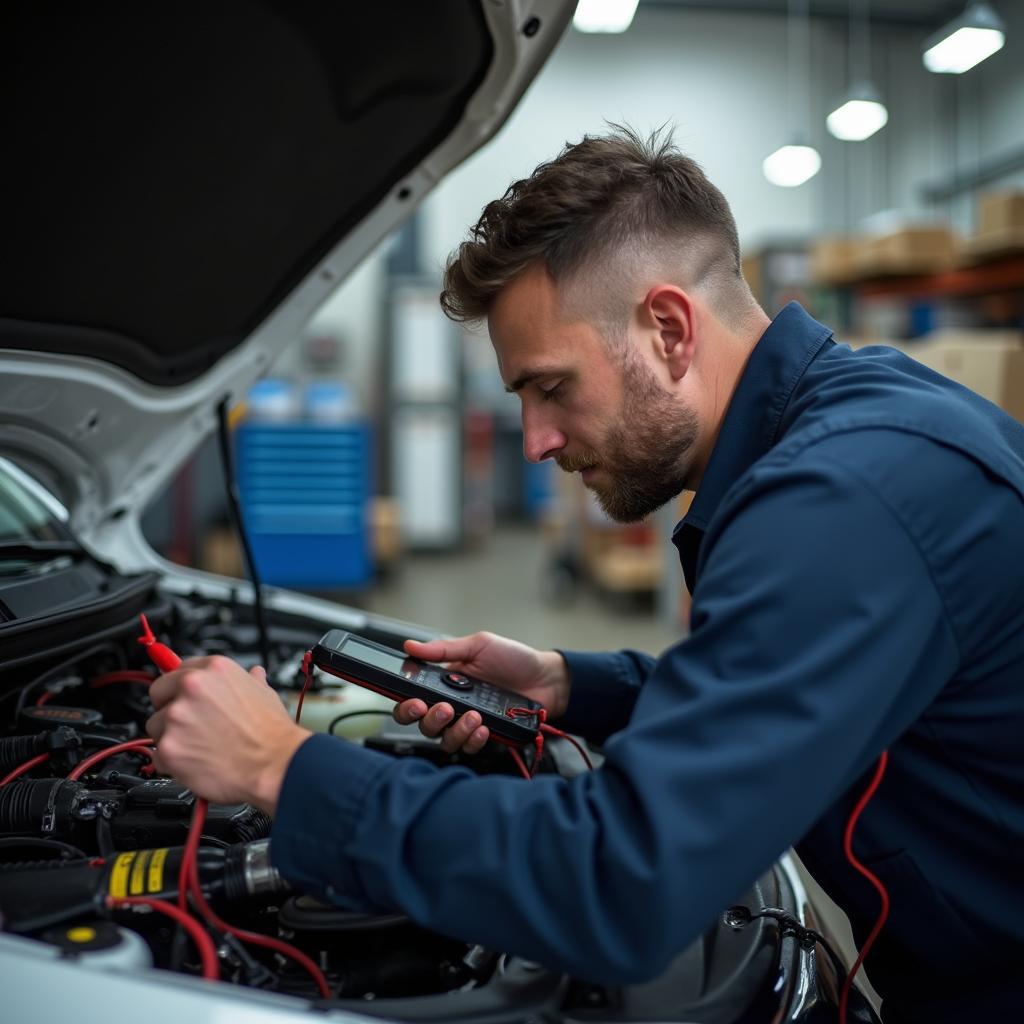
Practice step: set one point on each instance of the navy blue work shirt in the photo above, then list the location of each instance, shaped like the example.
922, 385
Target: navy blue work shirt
856, 558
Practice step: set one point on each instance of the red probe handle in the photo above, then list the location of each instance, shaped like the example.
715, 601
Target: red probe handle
160, 654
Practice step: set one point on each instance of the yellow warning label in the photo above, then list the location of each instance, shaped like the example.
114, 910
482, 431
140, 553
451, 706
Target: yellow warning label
119, 875
156, 870
138, 883
81, 934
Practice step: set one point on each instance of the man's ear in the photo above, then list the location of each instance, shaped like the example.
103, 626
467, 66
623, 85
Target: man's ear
674, 316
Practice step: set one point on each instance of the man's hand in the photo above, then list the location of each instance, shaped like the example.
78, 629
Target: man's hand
537, 675
223, 732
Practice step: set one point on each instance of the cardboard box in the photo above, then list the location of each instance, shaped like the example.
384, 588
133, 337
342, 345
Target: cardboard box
909, 250
1000, 226
834, 260
222, 554
999, 210
990, 363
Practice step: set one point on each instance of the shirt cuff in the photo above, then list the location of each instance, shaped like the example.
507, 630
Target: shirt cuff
604, 689
318, 809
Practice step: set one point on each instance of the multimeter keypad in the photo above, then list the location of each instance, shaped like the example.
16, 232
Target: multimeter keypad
492, 700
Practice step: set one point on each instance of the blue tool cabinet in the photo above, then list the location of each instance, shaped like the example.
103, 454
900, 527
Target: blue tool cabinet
305, 491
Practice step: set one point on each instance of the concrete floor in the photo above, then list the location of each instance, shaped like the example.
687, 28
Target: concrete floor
501, 587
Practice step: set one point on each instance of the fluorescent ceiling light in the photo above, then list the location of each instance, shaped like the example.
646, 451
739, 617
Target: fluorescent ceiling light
965, 41
604, 15
790, 166
860, 116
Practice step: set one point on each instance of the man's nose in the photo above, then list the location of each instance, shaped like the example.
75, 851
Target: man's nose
541, 439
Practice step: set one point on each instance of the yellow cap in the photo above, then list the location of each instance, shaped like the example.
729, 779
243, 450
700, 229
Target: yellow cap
82, 934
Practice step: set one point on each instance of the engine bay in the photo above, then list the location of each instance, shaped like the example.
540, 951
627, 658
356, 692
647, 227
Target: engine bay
87, 825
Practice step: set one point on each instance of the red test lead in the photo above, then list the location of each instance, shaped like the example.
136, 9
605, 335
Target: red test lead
160, 654
166, 660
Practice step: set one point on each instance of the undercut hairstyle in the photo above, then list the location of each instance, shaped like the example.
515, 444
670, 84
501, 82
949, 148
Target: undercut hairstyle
599, 214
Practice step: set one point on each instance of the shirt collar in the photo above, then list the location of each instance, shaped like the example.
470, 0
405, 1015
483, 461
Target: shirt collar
751, 423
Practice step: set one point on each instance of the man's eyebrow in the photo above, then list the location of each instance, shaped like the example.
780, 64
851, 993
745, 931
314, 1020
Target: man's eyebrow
531, 375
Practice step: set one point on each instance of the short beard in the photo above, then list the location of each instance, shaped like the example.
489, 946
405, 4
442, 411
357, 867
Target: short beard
645, 450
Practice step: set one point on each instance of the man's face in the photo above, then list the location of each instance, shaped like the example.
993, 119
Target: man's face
596, 407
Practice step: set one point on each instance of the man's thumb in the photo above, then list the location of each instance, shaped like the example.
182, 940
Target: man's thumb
424, 648
259, 673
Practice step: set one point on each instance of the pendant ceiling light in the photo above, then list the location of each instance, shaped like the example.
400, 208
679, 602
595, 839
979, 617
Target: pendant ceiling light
792, 165
797, 162
965, 41
604, 15
862, 112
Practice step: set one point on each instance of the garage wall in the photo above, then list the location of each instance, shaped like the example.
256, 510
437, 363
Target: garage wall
721, 79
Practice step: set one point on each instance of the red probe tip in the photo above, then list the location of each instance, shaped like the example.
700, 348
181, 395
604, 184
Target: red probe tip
160, 654
147, 637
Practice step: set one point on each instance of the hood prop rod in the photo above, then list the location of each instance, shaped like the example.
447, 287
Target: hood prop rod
235, 506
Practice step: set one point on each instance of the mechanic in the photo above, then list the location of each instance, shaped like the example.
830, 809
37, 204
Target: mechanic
854, 552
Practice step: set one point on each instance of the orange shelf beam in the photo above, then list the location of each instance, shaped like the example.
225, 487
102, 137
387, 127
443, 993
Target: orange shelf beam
999, 276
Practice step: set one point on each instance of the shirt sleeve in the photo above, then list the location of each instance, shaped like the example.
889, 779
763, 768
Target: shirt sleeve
604, 690
817, 637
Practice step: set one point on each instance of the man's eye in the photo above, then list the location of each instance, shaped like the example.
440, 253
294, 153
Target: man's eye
553, 392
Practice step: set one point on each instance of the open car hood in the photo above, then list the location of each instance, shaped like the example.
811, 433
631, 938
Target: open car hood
184, 186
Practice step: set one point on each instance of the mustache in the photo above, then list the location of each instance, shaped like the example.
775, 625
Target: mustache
575, 463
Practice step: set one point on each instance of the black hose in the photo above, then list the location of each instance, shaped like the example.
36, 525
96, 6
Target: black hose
94, 739
41, 865
355, 714
66, 850
25, 803
15, 750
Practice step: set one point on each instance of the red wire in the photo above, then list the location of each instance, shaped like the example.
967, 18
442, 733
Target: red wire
22, 768
140, 746
207, 950
188, 882
552, 731
254, 938
546, 730
848, 850
307, 660
191, 851
123, 676
106, 679
518, 758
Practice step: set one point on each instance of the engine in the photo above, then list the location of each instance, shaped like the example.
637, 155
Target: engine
92, 840
86, 822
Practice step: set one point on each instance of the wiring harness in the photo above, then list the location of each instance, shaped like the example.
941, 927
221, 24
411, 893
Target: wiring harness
188, 878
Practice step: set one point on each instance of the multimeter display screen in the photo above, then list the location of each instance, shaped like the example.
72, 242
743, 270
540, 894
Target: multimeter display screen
373, 656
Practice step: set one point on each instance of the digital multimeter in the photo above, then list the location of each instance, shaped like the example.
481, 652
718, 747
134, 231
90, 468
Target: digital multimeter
400, 677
